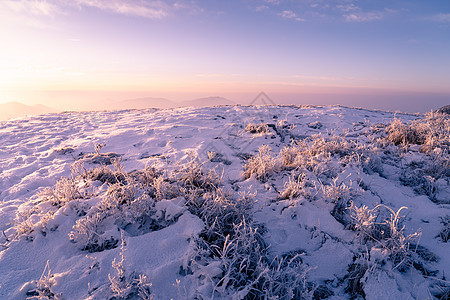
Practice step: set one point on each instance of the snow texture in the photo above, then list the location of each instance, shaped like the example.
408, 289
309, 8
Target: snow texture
230, 202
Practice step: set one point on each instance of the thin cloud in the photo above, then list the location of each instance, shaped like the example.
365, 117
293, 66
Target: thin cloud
273, 2
152, 9
146, 9
322, 78
35, 14
326, 10
347, 7
261, 8
355, 14
190, 7
36, 7
364, 16
289, 14
443, 18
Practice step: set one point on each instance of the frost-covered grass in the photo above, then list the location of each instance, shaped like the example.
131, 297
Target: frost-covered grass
387, 236
444, 234
303, 208
42, 289
261, 165
257, 128
127, 286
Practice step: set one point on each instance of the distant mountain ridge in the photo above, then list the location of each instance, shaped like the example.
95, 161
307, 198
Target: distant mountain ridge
146, 102
11, 110
207, 101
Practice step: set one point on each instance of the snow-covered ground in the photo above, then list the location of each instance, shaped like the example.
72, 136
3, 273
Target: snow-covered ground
224, 202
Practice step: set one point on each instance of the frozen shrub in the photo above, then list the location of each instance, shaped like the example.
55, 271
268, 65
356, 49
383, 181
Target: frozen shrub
444, 110
420, 183
257, 128
333, 145
322, 155
23, 225
121, 194
315, 125
146, 176
141, 216
88, 232
438, 165
240, 255
283, 278
155, 184
240, 268
31, 220
427, 175
192, 175
206, 199
363, 220
341, 195
163, 189
372, 163
230, 266
355, 275
261, 165
43, 290
438, 131
104, 174
64, 150
129, 204
299, 185
35, 215
431, 132
99, 158
294, 187
430, 187
125, 286
220, 211
123, 206
335, 192
289, 156
300, 155
387, 236
444, 235
399, 133
65, 190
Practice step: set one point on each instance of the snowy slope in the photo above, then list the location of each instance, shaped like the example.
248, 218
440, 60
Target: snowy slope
97, 205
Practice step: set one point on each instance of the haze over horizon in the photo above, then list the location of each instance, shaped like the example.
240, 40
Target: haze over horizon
383, 54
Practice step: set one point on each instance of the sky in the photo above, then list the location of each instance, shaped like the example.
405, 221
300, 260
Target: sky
329, 51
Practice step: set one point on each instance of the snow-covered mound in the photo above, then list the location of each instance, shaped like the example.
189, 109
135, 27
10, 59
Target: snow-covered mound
257, 202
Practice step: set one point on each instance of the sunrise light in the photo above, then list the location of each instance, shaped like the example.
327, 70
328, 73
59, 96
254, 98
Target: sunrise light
201, 48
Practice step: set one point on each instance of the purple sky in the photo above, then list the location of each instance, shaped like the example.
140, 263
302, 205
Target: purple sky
295, 50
